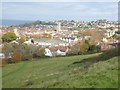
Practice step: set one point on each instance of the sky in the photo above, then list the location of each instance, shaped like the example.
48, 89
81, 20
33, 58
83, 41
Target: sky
59, 0
85, 11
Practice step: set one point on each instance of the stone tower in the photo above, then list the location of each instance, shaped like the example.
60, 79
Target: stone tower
58, 26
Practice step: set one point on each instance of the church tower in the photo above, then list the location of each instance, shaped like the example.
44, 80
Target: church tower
58, 26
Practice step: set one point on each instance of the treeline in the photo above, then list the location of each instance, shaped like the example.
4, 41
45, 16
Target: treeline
21, 52
15, 52
84, 47
38, 23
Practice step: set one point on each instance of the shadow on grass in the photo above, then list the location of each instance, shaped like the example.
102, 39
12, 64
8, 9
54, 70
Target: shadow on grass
102, 57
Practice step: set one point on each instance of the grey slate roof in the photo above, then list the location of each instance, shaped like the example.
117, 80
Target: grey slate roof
52, 41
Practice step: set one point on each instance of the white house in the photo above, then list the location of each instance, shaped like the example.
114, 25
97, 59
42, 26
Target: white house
56, 51
69, 39
105, 40
110, 33
28, 42
14, 42
61, 53
2, 56
48, 52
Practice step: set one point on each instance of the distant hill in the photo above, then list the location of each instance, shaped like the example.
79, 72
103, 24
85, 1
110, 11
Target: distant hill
12, 22
24, 23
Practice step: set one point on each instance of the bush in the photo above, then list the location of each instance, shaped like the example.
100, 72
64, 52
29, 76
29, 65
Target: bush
110, 53
7, 49
74, 50
94, 49
16, 56
71, 52
8, 60
27, 57
84, 48
2, 62
39, 53
17, 52
25, 51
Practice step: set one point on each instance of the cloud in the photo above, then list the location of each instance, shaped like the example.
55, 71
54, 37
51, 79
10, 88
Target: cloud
62, 10
60, 0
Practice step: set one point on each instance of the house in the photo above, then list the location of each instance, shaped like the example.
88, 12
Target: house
61, 53
48, 52
2, 61
56, 51
69, 39
110, 33
14, 42
87, 37
105, 40
29, 42
2, 56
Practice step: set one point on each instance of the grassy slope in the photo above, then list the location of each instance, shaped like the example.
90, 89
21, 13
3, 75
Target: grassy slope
60, 72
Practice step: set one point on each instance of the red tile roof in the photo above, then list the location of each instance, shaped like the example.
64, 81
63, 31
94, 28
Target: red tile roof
61, 48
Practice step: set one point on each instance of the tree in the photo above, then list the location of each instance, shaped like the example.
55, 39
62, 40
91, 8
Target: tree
94, 49
7, 49
40, 52
22, 52
25, 52
8, 37
84, 48
74, 50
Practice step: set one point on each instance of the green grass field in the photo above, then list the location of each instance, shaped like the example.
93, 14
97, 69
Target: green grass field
62, 72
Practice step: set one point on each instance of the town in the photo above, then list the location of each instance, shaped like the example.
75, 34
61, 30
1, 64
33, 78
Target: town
62, 37
71, 44
59, 44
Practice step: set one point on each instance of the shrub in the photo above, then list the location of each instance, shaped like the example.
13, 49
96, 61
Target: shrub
2, 62
8, 60
40, 52
74, 50
16, 56
94, 49
25, 52
7, 49
27, 57
84, 48
110, 53
30, 56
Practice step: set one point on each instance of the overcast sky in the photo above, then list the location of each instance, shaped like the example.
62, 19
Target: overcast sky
60, 10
